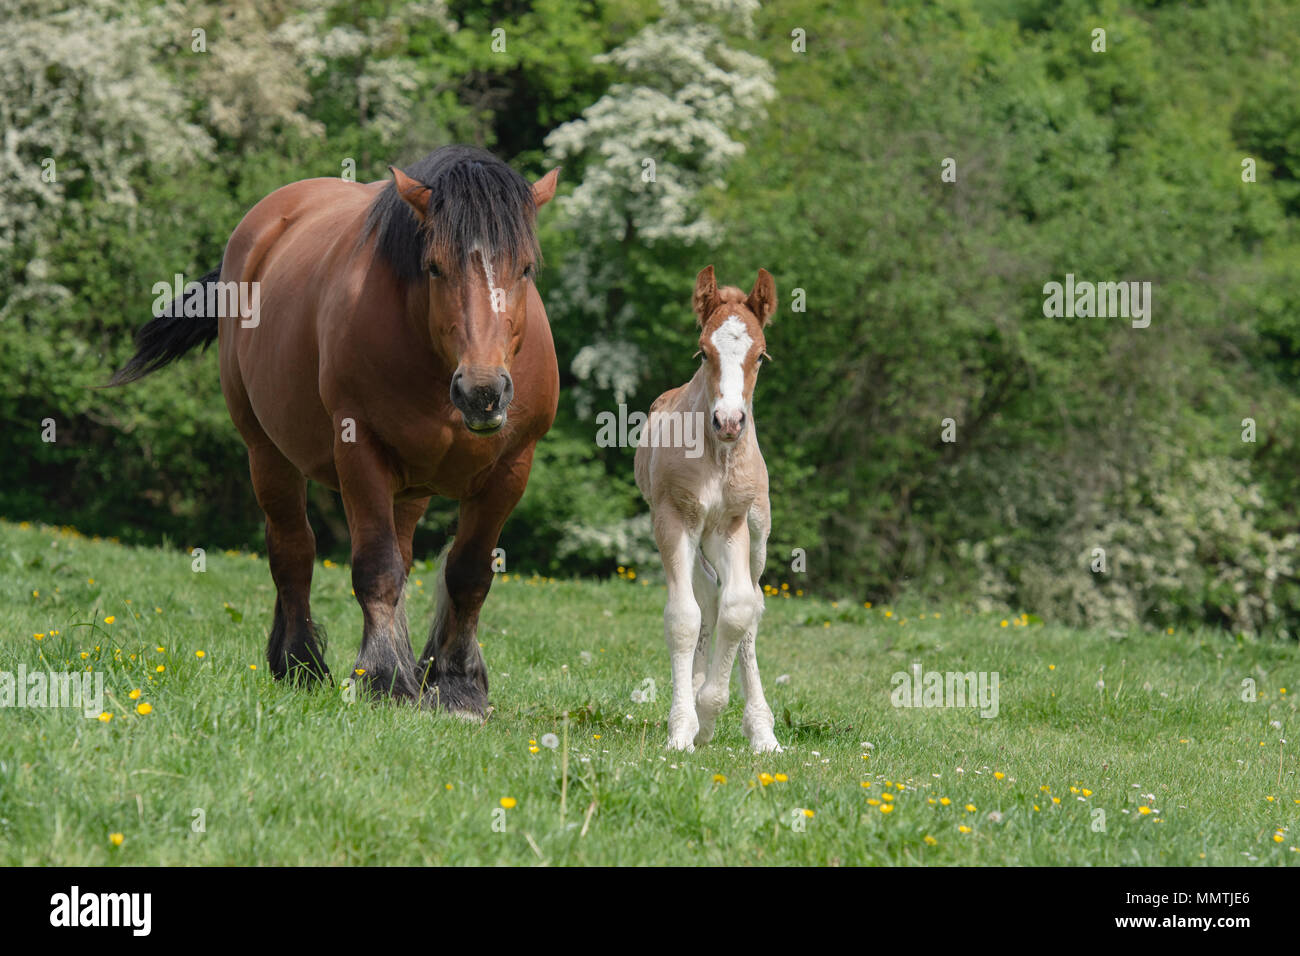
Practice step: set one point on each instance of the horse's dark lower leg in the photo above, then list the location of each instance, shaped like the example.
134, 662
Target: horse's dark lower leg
453, 674
385, 664
296, 648
452, 671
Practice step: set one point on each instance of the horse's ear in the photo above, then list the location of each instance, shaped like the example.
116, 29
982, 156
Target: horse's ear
415, 193
706, 294
544, 188
762, 298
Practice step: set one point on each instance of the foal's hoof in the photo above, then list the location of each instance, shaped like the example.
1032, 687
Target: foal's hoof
766, 745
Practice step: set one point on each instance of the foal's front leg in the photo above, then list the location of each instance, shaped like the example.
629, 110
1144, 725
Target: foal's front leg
677, 547
385, 663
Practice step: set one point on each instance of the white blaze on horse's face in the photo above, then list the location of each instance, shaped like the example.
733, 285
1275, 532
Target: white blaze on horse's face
732, 343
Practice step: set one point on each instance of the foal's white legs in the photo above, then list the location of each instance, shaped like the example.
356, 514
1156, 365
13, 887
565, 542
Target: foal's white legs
677, 546
705, 584
757, 721
739, 609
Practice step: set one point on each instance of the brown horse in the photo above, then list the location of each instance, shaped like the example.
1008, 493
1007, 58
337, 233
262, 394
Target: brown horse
399, 350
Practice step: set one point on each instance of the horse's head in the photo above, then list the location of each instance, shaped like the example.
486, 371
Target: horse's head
479, 255
732, 342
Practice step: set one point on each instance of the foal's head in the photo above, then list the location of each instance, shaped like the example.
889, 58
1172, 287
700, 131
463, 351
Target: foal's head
733, 346
473, 243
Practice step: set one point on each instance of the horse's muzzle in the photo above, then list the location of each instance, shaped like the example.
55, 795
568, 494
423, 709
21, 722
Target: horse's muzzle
482, 397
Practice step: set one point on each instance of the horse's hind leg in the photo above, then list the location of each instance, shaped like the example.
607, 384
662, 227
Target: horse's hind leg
296, 648
452, 673
385, 664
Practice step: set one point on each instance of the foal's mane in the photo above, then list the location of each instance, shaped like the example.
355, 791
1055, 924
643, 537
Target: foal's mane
474, 200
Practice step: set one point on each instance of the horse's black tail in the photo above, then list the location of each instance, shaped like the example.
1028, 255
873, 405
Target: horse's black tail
182, 326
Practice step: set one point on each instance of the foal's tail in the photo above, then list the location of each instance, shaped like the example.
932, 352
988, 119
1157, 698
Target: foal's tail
182, 326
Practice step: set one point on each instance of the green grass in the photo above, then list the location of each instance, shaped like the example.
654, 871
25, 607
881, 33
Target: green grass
291, 777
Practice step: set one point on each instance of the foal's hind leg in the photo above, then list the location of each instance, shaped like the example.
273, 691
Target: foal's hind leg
757, 721
704, 582
367, 485
296, 648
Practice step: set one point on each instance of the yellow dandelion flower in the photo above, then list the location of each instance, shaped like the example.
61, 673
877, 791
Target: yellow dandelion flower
963, 829
631, 575
144, 709
534, 749
157, 610
1087, 792
509, 802
84, 655
1278, 838
159, 669
1144, 810
1051, 667
252, 667
866, 783
110, 619
719, 778
200, 654
448, 786
998, 775
873, 802
115, 839
808, 813
765, 778
887, 796
970, 808
1004, 622
358, 671
39, 637
886, 808
930, 841
798, 592
781, 778
105, 717
889, 614
944, 801
135, 694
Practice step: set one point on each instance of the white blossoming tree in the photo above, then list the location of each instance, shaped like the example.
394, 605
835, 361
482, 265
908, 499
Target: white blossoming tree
646, 150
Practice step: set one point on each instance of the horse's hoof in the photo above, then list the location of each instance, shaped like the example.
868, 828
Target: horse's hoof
460, 697
767, 746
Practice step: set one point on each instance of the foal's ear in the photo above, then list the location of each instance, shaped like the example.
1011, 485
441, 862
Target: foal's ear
414, 192
762, 298
706, 294
544, 188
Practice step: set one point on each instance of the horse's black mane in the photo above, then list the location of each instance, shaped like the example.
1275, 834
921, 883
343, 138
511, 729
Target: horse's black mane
475, 199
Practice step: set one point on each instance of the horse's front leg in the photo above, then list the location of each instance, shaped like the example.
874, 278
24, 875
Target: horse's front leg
452, 673
677, 547
385, 664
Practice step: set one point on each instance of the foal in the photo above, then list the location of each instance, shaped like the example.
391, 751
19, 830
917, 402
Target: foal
711, 511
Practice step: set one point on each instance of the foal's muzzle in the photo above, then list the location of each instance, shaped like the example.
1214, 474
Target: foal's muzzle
728, 426
482, 396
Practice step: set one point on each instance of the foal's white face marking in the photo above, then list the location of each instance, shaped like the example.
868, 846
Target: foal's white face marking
732, 340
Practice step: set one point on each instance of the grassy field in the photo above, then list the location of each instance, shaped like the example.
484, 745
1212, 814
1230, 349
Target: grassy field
280, 776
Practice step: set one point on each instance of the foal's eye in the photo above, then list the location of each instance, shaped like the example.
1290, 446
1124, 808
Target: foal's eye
530, 270
433, 271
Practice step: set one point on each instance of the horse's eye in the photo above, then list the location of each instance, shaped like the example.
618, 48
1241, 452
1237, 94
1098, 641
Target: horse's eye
529, 271
433, 271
